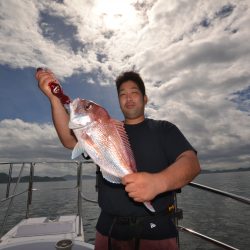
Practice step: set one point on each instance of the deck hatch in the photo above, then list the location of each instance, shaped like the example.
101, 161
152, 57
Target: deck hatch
44, 229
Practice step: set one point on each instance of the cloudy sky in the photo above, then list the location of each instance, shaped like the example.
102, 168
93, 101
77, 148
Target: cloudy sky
194, 56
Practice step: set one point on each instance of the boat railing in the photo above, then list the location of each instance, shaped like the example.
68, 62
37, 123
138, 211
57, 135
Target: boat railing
238, 198
10, 196
80, 196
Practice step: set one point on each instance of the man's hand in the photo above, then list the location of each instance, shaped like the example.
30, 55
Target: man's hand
44, 77
142, 186
60, 115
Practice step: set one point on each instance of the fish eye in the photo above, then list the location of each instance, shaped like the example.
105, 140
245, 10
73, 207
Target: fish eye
88, 106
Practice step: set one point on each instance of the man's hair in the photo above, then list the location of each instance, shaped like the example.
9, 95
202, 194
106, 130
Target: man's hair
130, 76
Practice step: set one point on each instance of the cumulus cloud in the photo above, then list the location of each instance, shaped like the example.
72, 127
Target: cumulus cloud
32, 142
193, 56
22, 141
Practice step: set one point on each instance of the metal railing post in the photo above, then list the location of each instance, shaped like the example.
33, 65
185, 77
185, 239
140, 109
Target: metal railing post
30, 189
9, 180
176, 219
79, 200
11, 201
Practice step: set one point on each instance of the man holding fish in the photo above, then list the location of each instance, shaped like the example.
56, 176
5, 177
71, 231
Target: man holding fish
142, 161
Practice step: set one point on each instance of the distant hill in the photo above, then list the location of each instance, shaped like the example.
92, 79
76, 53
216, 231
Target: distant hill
73, 177
205, 171
4, 178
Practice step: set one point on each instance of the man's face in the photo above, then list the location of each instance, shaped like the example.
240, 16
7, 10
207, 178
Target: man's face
132, 102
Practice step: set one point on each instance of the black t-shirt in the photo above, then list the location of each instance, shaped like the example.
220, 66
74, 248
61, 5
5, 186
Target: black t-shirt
156, 145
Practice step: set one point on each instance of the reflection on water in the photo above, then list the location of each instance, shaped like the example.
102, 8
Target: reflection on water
218, 217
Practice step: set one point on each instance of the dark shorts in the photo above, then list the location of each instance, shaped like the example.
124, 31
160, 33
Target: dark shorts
156, 227
101, 243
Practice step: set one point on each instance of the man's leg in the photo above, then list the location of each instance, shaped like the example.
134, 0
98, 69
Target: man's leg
166, 244
101, 243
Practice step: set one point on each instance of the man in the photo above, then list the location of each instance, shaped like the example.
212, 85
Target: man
165, 161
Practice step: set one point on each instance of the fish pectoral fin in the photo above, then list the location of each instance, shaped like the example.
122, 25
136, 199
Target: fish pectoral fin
77, 151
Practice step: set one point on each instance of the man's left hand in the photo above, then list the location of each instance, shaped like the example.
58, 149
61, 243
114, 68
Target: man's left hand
142, 186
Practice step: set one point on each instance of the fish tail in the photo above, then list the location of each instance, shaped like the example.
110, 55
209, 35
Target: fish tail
149, 206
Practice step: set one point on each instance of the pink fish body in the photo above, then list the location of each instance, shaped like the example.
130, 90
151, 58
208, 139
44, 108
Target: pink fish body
103, 139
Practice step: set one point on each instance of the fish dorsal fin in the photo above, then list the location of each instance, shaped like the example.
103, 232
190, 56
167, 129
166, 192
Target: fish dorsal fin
124, 137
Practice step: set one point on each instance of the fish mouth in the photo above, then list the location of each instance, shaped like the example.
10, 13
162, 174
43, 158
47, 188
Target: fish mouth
78, 121
75, 126
79, 127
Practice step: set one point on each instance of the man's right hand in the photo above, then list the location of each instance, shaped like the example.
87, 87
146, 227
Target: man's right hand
60, 116
44, 77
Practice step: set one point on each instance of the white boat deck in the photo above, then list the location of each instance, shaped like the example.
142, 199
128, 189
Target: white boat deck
42, 233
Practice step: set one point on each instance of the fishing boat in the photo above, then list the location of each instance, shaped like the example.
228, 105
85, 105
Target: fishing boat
67, 231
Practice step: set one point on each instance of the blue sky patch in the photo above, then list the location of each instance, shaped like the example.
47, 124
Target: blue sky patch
225, 11
55, 29
242, 99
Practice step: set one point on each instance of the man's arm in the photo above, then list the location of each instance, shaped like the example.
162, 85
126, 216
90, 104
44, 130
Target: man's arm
60, 119
144, 186
60, 116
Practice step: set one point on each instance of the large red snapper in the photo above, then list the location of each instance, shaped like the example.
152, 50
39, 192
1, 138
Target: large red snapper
103, 139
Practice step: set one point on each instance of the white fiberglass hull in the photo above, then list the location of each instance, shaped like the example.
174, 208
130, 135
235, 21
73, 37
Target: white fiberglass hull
41, 233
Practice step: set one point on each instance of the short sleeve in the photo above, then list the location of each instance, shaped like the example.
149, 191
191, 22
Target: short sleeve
174, 142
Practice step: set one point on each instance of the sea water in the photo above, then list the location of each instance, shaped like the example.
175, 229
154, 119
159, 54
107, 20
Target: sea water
218, 217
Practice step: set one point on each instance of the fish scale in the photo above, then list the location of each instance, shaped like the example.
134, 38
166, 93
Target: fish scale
111, 157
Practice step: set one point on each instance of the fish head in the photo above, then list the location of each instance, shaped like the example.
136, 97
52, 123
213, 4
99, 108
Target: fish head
84, 112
